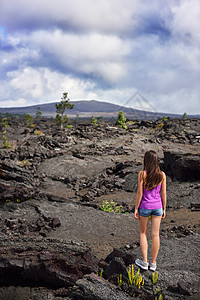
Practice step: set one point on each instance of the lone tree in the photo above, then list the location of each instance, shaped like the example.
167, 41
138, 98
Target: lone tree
61, 107
185, 116
38, 113
121, 120
29, 120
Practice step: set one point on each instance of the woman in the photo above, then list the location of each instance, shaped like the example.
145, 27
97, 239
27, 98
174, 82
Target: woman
150, 201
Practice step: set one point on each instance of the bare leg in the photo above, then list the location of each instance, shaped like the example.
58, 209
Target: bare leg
155, 228
143, 237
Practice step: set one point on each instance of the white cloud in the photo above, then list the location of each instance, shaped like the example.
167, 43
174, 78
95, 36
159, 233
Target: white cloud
94, 54
75, 46
29, 82
96, 15
15, 103
179, 101
101, 49
185, 21
32, 86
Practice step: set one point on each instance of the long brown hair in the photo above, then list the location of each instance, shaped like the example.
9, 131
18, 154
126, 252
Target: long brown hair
154, 176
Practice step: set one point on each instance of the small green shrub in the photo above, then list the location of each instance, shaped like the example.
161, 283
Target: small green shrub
154, 277
5, 123
29, 120
68, 126
101, 273
38, 132
100, 119
109, 206
135, 279
184, 116
6, 144
38, 113
121, 120
24, 163
130, 123
119, 280
94, 121
164, 119
160, 126
156, 292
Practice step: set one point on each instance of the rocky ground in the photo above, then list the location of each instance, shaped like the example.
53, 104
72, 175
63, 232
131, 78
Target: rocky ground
54, 236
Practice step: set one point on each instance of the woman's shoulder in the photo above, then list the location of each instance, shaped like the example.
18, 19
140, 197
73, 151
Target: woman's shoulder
163, 175
142, 174
141, 171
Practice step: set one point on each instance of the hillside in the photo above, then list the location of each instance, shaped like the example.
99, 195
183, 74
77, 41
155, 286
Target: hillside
88, 108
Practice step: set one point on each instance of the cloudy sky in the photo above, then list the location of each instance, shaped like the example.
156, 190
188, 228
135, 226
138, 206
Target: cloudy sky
101, 49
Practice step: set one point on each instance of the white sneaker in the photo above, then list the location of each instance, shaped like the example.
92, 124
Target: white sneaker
141, 264
152, 266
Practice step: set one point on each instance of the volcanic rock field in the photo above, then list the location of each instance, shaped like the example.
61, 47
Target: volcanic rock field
55, 240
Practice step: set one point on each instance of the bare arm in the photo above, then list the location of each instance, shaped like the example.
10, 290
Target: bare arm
164, 194
139, 193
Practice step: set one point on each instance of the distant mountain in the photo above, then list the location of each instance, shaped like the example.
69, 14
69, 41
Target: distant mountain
88, 108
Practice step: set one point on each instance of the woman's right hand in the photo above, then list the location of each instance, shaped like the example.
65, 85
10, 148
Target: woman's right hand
164, 214
136, 214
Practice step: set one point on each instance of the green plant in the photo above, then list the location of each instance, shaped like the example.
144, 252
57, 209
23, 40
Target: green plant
164, 118
61, 107
18, 200
94, 121
38, 113
6, 144
160, 126
121, 120
29, 120
38, 132
100, 119
156, 292
130, 122
119, 280
101, 273
135, 279
68, 126
5, 123
109, 206
24, 163
154, 277
184, 116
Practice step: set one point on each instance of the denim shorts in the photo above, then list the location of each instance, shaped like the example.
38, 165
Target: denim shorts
150, 212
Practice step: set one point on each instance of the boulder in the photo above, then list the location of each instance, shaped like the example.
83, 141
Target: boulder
182, 166
16, 183
93, 287
115, 267
70, 168
127, 256
46, 262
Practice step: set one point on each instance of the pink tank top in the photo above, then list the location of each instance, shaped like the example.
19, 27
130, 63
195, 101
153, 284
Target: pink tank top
151, 199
